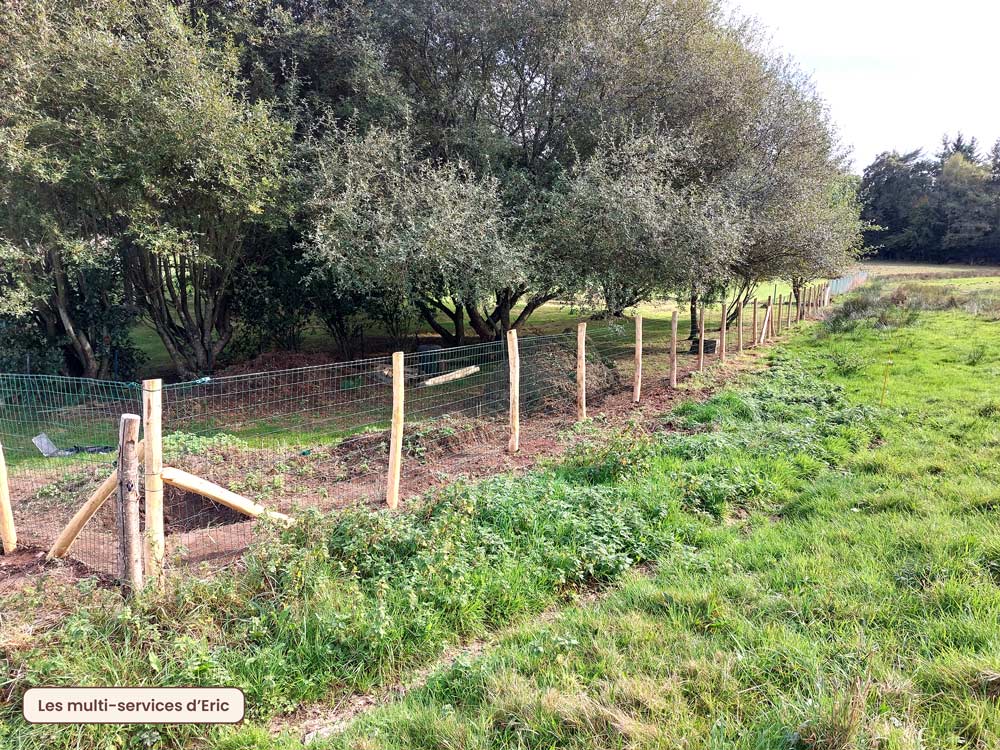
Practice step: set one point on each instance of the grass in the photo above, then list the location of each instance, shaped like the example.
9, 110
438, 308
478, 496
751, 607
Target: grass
826, 576
857, 609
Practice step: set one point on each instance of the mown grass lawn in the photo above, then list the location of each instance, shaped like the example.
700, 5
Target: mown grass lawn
859, 610
818, 572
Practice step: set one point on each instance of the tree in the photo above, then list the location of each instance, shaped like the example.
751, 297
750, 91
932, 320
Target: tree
627, 225
138, 156
390, 224
63, 188
940, 210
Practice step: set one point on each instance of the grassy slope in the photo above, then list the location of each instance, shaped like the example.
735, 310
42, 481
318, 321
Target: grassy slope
863, 614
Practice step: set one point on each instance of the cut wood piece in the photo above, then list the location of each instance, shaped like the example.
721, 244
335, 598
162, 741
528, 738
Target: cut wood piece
127, 506
450, 376
581, 371
673, 350
8, 532
396, 434
739, 323
701, 339
722, 332
514, 364
69, 534
189, 482
764, 327
152, 429
637, 376
100, 496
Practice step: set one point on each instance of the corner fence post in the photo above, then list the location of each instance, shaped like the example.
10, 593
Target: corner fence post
722, 333
637, 377
152, 417
396, 435
514, 362
581, 371
8, 532
673, 350
127, 503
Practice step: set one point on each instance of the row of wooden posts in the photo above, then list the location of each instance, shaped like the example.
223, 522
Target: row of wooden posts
141, 554
811, 299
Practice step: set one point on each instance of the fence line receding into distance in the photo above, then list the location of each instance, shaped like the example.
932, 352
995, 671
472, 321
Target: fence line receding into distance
217, 454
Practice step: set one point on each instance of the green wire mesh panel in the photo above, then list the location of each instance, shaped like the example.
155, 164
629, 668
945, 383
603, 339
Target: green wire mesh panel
60, 440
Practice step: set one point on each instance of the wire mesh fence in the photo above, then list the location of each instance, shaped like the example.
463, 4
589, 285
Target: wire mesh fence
312, 437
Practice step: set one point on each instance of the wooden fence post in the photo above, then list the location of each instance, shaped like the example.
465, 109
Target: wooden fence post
396, 434
152, 417
788, 315
581, 371
514, 360
722, 333
8, 532
637, 378
701, 339
739, 323
127, 503
777, 322
673, 350
753, 341
765, 328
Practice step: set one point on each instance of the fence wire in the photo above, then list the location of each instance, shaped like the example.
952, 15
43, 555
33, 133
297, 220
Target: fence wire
316, 437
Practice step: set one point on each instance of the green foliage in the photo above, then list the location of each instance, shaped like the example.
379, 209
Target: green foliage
940, 209
177, 444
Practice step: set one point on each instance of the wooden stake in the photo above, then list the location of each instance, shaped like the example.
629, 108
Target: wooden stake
637, 378
191, 483
788, 315
72, 530
777, 318
673, 350
514, 365
798, 305
722, 333
396, 436
766, 323
770, 318
739, 323
753, 341
127, 506
152, 427
8, 532
581, 371
701, 339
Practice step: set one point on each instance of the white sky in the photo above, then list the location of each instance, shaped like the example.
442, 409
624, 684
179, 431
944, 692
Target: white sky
896, 74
